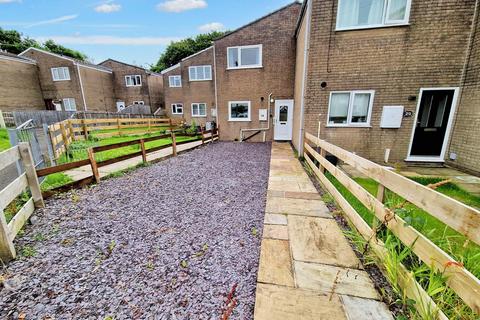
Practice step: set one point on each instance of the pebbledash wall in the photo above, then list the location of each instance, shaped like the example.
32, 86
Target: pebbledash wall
91, 86
191, 91
395, 62
275, 75
20, 89
149, 91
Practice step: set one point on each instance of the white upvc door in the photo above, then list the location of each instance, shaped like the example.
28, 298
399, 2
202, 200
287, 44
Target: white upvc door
283, 120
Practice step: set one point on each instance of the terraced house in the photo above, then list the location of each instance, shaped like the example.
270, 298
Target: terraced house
71, 85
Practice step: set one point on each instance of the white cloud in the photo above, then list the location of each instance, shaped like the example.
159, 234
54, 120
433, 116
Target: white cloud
213, 26
10, 1
110, 40
181, 5
53, 21
108, 7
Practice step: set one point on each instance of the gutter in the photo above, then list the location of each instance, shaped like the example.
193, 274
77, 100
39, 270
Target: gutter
81, 87
260, 129
215, 84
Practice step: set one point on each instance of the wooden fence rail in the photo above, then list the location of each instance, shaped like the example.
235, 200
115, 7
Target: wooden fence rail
27, 180
460, 217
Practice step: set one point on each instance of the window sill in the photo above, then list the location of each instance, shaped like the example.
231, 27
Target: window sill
175, 87
177, 114
240, 68
199, 116
133, 86
61, 80
373, 27
424, 159
239, 120
200, 80
347, 126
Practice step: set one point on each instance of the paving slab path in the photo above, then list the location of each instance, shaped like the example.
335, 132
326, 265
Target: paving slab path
308, 269
168, 241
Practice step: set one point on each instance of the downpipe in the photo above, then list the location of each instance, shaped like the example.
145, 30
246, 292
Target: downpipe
260, 129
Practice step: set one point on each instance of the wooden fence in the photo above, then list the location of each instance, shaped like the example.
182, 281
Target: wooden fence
62, 134
8, 231
462, 218
205, 137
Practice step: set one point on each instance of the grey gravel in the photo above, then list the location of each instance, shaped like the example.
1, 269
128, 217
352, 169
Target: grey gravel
164, 242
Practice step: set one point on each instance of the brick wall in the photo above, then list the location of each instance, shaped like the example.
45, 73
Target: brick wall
155, 89
466, 133
276, 33
191, 91
98, 90
20, 89
395, 62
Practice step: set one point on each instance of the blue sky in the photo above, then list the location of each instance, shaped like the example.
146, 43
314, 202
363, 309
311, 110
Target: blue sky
127, 30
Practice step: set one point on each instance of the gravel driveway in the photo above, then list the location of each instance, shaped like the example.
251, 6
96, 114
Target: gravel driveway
167, 241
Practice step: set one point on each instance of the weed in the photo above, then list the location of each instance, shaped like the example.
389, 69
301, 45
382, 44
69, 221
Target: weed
254, 231
111, 246
39, 237
28, 251
150, 265
184, 264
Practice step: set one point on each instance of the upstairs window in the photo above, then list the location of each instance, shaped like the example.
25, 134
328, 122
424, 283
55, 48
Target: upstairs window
200, 73
350, 108
133, 81
177, 108
199, 109
175, 81
359, 14
60, 74
245, 57
69, 104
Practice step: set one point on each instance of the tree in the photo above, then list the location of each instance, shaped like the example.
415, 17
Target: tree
178, 50
14, 42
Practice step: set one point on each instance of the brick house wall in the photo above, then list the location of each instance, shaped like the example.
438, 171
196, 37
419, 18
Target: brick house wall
98, 90
275, 33
394, 61
20, 89
466, 131
191, 91
150, 96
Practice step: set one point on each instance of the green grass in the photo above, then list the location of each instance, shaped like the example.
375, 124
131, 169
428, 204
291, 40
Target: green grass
127, 130
55, 180
4, 140
78, 149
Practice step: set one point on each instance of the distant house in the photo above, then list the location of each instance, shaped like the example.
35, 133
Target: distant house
243, 80
20, 88
395, 81
135, 85
72, 85
189, 88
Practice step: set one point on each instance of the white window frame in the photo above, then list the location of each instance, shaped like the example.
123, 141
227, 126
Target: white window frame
195, 68
136, 80
175, 106
66, 72
139, 102
239, 48
350, 107
240, 119
67, 101
385, 21
199, 115
171, 81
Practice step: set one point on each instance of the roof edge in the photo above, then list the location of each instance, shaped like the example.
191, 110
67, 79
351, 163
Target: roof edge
301, 16
170, 68
197, 53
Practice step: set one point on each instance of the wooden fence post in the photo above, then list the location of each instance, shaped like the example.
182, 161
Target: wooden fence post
85, 130
149, 125
2, 121
64, 135
203, 135
174, 145
380, 192
70, 128
144, 152
28, 164
93, 164
7, 250
118, 124
323, 153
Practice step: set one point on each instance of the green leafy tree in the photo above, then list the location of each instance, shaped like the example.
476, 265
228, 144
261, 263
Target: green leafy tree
15, 42
178, 50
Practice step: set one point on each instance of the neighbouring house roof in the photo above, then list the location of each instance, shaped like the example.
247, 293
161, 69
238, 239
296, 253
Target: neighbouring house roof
300, 17
259, 19
171, 68
13, 57
75, 61
197, 53
131, 65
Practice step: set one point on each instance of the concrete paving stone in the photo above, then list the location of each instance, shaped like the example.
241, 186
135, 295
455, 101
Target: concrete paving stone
275, 218
365, 309
275, 263
315, 208
325, 278
320, 240
303, 195
283, 303
273, 231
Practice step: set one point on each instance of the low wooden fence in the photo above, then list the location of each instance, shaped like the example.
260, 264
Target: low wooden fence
62, 134
27, 180
205, 137
462, 218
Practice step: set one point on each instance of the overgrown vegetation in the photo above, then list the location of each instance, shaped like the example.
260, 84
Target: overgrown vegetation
4, 141
452, 242
178, 50
55, 180
15, 42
